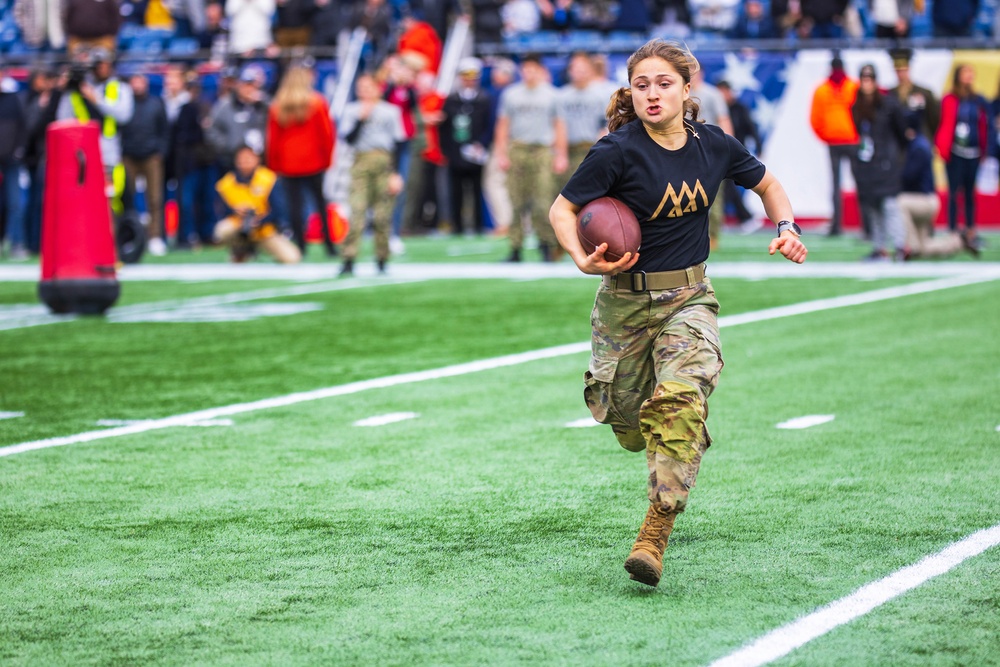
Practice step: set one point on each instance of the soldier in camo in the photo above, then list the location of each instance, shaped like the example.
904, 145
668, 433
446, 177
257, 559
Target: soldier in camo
655, 350
530, 143
582, 105
374, 128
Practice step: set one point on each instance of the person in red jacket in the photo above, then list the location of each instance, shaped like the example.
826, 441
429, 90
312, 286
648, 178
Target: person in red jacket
830, 117
300, 143
963, 140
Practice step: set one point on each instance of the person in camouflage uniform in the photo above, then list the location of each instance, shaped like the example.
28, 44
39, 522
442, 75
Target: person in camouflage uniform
374, 128
583, 102
656, 356
530, 142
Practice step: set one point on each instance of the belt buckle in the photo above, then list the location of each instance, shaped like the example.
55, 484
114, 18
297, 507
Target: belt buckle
642, 275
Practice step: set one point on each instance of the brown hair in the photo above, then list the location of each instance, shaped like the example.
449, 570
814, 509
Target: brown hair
294, 99
959, 89
621, 110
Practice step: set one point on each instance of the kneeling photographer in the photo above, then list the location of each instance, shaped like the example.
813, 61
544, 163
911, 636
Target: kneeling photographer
247, 198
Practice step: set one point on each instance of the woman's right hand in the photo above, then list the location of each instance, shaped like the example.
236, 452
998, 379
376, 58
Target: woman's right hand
596, 264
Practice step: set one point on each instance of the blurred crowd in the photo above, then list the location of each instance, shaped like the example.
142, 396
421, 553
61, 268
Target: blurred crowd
261, 153
889, 139
245, 150
255, 27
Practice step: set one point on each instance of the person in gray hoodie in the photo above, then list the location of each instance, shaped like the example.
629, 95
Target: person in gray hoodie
239, 118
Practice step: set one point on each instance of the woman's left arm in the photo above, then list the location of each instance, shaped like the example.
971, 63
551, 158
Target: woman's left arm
778, 208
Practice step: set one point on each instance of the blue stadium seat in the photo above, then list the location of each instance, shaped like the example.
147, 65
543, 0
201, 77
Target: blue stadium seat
10, 36
182, 46
126, 33
620, 40
584, 39
148, 41
542, 40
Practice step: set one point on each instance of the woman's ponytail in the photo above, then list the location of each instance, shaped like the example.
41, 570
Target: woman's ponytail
620, 110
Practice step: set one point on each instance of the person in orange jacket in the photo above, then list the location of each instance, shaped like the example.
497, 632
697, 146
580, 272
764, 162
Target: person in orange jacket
830, 118
420, 39
300, 143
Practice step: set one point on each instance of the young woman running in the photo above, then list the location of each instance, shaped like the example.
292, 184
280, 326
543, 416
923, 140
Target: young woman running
655, 354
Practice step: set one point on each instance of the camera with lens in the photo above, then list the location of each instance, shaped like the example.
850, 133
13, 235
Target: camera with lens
76, 75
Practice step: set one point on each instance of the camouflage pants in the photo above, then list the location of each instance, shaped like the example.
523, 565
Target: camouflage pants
370, 190
655, 360
576, 154
717, 213
530, 184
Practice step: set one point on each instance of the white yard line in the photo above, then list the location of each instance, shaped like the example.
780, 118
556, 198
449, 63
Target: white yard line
124, 313
586, 422
130, 422
787, 638
382, 420
300, 397
471, 367
11, 415
855, 299
808, 421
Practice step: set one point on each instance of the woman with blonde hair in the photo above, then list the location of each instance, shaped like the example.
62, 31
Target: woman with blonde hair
655, 355
300, 142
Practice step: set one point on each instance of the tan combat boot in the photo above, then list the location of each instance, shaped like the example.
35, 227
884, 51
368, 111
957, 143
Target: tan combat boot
645, 563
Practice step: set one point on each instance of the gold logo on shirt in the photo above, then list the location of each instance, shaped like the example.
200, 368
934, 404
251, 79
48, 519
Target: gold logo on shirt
678, 208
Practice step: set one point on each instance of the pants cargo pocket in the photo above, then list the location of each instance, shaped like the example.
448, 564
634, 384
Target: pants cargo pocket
599, 379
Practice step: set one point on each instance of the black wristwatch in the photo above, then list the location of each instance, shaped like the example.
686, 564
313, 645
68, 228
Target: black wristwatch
788, 225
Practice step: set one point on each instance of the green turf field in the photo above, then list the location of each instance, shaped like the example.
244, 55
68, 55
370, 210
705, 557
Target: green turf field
482, 529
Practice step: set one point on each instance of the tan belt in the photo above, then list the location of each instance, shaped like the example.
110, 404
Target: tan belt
651, 282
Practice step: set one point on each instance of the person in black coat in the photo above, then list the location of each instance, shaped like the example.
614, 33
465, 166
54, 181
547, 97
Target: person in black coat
745, 131
464, 134
754, 23
878, 166
145, 140
13, 128
293, 23
195, 166
37, 112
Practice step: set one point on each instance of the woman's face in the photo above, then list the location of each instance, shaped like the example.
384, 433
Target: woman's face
868, 84
966, 76
367, 90
658, 91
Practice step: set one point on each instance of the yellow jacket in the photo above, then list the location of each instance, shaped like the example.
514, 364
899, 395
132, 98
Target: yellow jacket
254, 194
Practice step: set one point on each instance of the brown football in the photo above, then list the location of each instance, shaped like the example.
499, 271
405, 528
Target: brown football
608, 220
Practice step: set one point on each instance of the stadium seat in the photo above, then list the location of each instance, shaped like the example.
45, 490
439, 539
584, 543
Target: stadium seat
543, 40
583, 39
182, 46
619, 40
10, 37
148, 41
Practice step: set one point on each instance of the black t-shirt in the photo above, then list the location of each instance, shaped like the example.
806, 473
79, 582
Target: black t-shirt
670, 192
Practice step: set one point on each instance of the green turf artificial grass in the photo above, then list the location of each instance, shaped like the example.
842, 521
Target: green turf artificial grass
485, 532
66, 376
